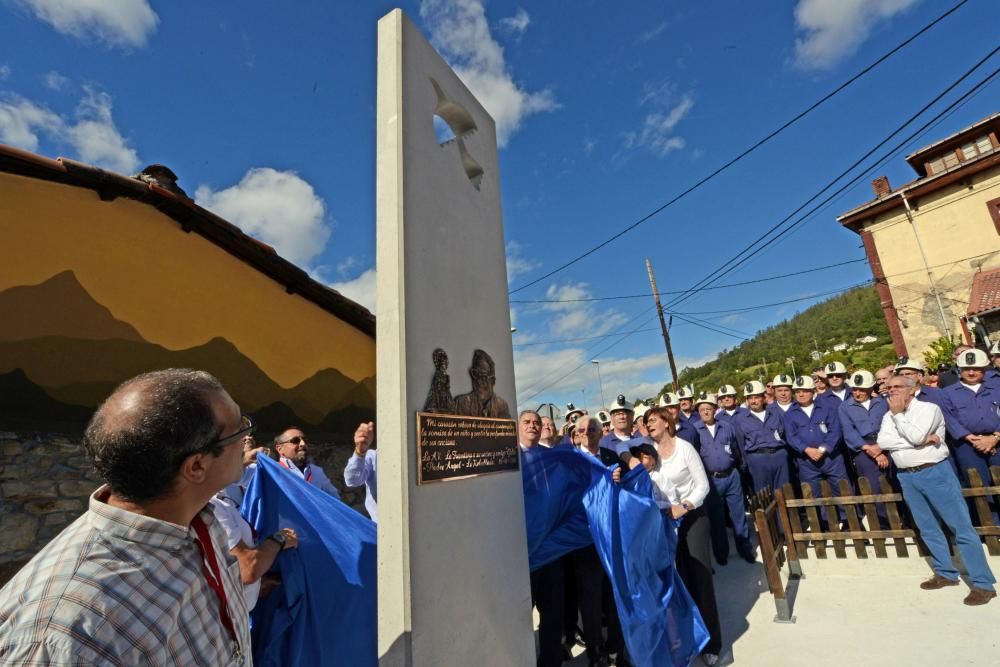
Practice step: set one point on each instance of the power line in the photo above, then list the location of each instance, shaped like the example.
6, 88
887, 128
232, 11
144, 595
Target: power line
749, 150
713, 287
729, 266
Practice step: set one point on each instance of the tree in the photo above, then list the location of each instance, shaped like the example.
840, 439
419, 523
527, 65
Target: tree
939, 351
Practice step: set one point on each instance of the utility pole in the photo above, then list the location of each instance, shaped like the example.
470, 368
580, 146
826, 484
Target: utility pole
663, 325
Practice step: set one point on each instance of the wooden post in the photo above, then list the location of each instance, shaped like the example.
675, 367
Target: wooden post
852, 519
795, 519
794, 567
815, 525
663, 325
871, 513
983, 511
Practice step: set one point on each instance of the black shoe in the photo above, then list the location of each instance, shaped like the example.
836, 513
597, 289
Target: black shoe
722, 561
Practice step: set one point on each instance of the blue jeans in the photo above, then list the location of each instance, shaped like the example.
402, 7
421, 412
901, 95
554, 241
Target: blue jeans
934, 494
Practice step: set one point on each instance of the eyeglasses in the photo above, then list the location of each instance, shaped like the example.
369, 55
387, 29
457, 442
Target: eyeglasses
295, 440
246, 428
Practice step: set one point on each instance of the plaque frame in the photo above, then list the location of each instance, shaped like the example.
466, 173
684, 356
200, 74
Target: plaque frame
420, 448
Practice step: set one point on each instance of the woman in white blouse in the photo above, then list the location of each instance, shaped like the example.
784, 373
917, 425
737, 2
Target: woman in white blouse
680, 486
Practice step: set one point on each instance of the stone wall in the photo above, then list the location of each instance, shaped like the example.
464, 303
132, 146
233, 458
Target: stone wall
46, 480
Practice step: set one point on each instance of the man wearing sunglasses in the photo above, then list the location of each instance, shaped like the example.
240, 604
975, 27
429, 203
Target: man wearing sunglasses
144, 576
293, 454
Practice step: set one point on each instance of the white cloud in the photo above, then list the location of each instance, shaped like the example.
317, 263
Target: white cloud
278, 207
458, 29
91, 133
53, 80
361, 289
96, 138
653, 33
123, 23
5, 72
517, 263
517, 23
836, 29
657, 133
570, 318
347, 266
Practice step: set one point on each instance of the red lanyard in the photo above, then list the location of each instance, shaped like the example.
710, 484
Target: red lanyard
212, 574
308, 472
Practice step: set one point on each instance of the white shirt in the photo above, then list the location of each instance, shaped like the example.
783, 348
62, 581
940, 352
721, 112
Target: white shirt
237, 530
711, 429
680, 477
312, 474
842, 394
762, 415
808, 409
364, 471
903, 435
974, 388
784, 406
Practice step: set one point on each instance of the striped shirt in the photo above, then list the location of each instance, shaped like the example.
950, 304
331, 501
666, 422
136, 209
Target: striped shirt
118, 588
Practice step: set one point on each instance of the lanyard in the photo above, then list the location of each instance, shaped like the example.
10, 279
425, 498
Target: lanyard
307, 474
210, 567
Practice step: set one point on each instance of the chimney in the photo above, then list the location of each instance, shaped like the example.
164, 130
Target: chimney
881, 186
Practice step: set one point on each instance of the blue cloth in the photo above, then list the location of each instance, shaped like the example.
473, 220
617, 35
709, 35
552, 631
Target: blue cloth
968, 411
821, 429
860, 425
570, 501
934, 492
831, 400
324, 611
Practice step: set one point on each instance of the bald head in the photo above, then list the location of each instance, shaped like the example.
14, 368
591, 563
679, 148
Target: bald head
139, 436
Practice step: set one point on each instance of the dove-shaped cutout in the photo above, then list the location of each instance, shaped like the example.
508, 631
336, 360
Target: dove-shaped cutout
461, 124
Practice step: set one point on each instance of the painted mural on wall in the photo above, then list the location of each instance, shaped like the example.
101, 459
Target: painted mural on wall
93, 292
63, 352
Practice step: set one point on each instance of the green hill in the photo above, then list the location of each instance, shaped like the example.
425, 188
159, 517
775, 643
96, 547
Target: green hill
840, 320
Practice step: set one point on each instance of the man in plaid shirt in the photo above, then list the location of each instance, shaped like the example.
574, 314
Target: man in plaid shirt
143, 577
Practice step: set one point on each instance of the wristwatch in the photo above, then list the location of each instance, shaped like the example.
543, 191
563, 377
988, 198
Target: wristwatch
278, 537
822, 449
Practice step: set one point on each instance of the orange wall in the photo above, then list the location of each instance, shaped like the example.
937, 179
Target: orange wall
177, 289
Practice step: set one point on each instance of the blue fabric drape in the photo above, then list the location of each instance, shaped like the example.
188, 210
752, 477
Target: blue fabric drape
571, 501
324, 611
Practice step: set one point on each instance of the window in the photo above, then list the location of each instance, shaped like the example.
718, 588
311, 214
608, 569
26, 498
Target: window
950, 160
983, 144
969, 151
936, 167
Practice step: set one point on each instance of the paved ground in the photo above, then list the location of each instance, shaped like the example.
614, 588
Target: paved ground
854, 612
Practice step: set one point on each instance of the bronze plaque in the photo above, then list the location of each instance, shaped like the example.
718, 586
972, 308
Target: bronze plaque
451, 447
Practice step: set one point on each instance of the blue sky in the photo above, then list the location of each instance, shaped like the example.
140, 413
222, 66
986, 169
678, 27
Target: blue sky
605, 111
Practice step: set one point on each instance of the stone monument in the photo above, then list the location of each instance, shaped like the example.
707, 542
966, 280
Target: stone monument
452, 559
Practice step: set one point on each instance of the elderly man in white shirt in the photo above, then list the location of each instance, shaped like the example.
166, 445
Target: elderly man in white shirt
913, 434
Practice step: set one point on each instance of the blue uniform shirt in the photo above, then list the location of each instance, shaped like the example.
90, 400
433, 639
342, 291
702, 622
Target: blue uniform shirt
968, 412
759, 434
933, 395
774, 407
719, 452
821, 429
614, 443
860, 425
831, 400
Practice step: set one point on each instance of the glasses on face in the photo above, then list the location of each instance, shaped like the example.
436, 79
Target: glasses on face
246, 428
295, 440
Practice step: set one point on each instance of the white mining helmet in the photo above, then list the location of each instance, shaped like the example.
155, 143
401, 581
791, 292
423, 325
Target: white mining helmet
804, 382
726, 390
753, 388
861, 379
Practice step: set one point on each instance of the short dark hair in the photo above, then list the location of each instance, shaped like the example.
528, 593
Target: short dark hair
277, 438
139, 450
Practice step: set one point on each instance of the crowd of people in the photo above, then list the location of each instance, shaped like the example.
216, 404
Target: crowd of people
707, 452
163, 569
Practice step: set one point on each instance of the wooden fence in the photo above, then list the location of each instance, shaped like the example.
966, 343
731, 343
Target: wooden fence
787, 526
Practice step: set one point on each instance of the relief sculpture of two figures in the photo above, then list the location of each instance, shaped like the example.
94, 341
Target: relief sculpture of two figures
482, 401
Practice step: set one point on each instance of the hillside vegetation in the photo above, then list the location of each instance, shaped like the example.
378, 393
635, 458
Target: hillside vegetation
840, 320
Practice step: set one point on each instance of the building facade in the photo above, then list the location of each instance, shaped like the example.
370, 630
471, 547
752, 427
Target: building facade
931, 241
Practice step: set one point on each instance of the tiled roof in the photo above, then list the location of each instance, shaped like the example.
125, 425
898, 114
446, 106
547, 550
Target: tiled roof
985, 292
193, 218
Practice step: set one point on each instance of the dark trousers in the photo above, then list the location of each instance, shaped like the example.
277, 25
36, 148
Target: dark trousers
694, 565
829, 468
547, 593
866, 467
589, 576
966, 457
768, 469
726, 493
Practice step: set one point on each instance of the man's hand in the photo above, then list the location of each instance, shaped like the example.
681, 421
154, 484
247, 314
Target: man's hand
814, 454
363, 438
874, 451
982, 443
897, 404
677, 511
250, 455
882, 460
932, 440
291, 539
616, 475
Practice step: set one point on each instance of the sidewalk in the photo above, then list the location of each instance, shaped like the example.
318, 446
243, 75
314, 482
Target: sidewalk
855, 612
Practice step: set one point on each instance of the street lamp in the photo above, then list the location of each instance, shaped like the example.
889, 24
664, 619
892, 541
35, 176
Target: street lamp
599, 380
